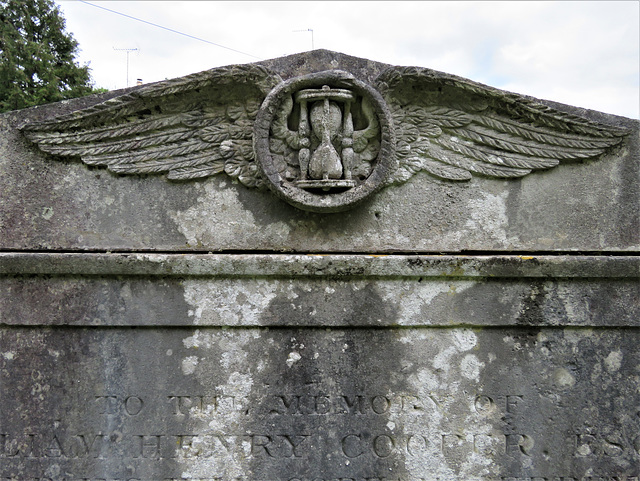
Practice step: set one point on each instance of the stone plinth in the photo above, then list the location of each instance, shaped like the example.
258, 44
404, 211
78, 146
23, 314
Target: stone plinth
458, 300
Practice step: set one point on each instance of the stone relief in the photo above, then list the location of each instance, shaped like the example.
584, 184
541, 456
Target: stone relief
325, 141
457, 128
192, 127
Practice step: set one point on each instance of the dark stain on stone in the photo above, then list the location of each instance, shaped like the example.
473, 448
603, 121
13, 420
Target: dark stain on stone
614, 302
69, 300
533, 302
330, 383
66, 408
329, 388
330, 303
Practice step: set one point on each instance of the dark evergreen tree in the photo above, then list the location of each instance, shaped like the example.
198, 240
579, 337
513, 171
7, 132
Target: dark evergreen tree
37, 56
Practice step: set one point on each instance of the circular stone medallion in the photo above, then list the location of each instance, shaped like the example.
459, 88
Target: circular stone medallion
324, 141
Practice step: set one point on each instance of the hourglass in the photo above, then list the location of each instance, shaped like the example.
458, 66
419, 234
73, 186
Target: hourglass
328, 165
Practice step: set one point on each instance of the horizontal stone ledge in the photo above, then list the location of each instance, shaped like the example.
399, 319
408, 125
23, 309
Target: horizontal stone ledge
316, 265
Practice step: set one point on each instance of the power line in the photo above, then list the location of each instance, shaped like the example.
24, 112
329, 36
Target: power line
168, 29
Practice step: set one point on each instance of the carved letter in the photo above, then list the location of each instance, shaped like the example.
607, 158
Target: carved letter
354, 406
518, 443
294, 444
384, 446
108, 404
290, 406
483, 404
54, 450
149, 446
416, 443
258, 441
82, 448
133, 405
322, 405
380, 404
512, 402
351, 446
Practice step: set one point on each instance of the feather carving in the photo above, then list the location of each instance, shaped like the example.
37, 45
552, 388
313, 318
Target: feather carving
188, 128
202, 125
458, 128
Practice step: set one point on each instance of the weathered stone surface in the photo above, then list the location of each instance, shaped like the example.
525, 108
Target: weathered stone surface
478, 329
320, 403
345, 290
53, 204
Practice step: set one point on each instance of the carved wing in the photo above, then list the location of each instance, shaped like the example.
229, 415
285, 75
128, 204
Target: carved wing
190, 127
453, 128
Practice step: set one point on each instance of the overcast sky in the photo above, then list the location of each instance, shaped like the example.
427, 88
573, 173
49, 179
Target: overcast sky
583, 53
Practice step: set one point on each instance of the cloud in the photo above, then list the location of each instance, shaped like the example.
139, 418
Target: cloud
584, 53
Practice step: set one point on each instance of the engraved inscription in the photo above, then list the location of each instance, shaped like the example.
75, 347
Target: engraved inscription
132, 405
274, 445
305, 417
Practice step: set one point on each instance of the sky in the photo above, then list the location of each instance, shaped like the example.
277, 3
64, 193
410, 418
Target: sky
582, 53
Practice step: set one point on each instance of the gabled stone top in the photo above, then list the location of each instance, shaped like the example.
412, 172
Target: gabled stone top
319, 152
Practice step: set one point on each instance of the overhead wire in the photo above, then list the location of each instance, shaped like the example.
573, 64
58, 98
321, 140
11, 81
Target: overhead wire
168, 29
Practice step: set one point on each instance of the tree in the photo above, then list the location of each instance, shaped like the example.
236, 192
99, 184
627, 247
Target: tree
37, 56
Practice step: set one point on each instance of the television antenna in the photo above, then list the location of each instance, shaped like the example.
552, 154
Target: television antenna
128, 50
308, 30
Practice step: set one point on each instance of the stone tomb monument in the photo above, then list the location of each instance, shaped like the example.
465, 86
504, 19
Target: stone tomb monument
319, 268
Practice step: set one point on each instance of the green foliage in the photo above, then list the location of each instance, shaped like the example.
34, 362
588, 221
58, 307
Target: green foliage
37, 56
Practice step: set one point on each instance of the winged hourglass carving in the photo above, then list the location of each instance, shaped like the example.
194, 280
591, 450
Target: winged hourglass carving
325, 141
